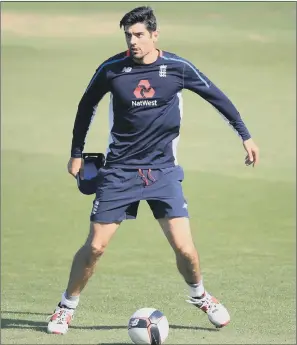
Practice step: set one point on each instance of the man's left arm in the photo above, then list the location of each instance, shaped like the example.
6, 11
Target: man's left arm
197, 82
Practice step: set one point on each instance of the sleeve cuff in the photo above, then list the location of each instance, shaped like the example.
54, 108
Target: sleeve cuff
76, 153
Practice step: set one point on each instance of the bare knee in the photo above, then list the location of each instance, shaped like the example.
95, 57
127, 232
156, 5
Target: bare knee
178, 233
188, 252
97, 249
98, 239
93, 251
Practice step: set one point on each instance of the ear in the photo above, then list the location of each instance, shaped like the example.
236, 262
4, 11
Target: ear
155, 35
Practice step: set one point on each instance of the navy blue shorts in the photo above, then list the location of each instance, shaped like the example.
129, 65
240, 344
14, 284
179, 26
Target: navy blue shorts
119, 192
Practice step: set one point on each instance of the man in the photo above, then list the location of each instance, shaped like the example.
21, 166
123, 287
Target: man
145, 114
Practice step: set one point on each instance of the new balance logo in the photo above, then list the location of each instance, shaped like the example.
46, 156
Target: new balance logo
162, 71
134, 322
127, 69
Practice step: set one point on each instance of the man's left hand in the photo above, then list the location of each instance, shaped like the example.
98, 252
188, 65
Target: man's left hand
252, 150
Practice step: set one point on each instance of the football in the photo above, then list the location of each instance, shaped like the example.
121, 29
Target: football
148, 326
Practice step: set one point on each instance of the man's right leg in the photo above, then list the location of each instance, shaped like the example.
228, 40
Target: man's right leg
85, 260
83, 266
117, 198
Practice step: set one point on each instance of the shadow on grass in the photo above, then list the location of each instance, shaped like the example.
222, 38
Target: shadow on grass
40, 326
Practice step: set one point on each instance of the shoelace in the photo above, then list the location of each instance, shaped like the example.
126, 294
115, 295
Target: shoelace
61, 315
205, 302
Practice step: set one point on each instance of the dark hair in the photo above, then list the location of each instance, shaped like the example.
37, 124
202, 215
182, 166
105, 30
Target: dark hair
143, 15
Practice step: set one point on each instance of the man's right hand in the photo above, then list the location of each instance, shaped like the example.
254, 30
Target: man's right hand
76, 166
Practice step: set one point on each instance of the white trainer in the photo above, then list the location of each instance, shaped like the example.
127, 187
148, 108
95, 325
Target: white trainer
60, 320
217, 314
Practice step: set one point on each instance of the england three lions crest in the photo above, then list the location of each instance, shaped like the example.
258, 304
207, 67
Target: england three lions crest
162, 71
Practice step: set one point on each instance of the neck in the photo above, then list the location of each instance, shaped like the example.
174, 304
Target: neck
149, 58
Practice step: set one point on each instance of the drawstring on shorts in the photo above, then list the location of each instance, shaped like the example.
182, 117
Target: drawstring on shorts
149, 177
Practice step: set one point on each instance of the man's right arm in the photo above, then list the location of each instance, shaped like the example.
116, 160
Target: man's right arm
95, 91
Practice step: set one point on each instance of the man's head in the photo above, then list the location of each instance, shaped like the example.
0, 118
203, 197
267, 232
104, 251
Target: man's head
140, 28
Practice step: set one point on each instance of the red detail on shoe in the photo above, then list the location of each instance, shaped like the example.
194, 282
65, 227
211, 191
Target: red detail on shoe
204, 308
57, 332
214, 300
69, 318
53, 318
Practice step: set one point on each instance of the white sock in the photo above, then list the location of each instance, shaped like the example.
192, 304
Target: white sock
197, 290
69, 301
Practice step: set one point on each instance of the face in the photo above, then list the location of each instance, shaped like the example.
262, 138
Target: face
139, 40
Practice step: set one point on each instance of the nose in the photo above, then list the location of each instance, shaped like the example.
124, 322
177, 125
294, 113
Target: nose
133, 40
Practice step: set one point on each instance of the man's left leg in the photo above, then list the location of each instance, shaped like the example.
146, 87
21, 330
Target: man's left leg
177, 231
178, 234
166, 199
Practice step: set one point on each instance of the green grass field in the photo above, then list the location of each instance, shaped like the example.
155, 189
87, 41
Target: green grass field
243, 219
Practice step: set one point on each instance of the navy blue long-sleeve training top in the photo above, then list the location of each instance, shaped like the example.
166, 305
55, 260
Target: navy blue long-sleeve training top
146, 108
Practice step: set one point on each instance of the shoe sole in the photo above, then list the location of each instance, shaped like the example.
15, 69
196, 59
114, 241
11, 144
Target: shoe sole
223, 325
55, 332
